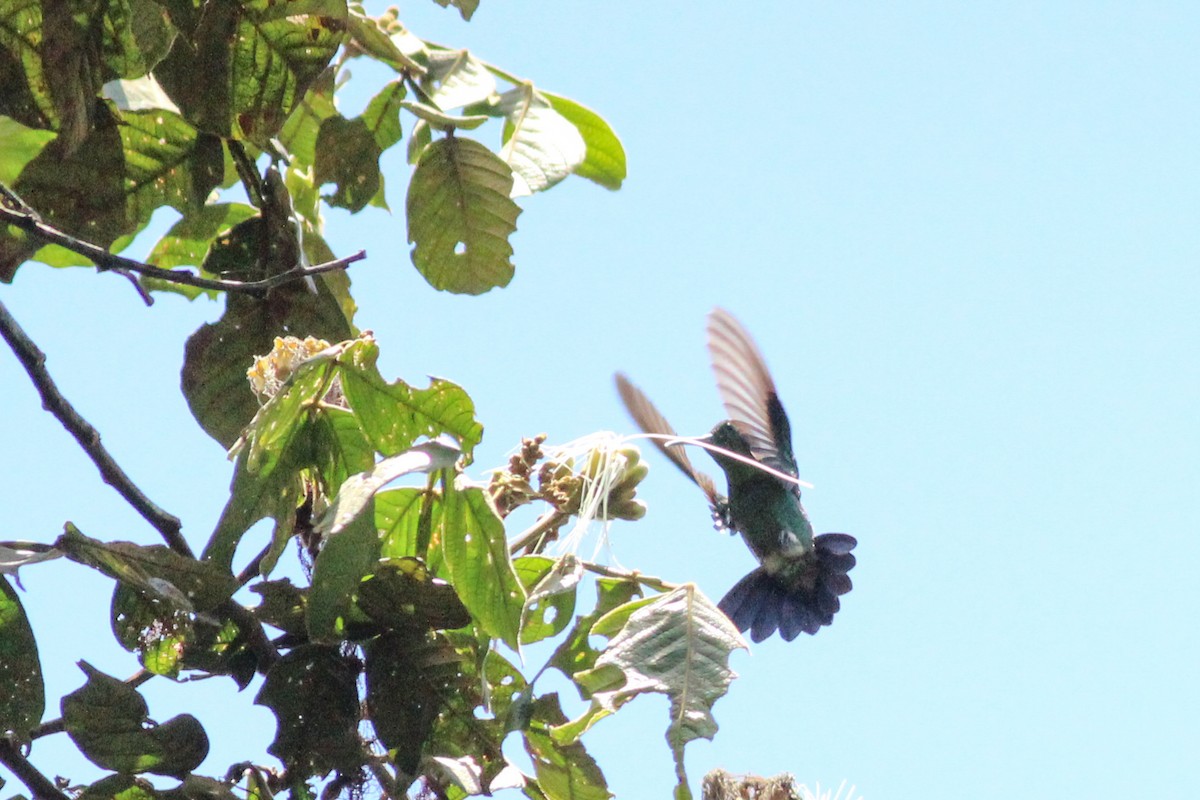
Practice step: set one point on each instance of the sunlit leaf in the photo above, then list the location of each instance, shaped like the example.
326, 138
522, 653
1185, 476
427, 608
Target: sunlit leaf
677, 645
540, 145
348, 156
358, 490
382, 114
551, 586
456, 78
477, 554
443, 120
605, 160
394, 415
346, 557
278, 50
398, 519
564, 771
152, 628
460, 216
21, 145
576, 653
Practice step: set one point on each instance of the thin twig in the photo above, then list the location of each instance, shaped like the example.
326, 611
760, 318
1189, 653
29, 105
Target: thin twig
34, 361
545, 523
645, 580
16, 212
37, 783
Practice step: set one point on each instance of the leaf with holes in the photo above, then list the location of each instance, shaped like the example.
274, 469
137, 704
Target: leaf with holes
551, 585
460, 216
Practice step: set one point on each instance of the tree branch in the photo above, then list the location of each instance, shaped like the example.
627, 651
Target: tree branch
34, 362
16, 763
18, 213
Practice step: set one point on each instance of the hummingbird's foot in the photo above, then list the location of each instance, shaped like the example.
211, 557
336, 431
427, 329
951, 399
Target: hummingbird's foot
722, 520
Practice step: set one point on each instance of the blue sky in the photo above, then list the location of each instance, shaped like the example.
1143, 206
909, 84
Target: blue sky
964, 236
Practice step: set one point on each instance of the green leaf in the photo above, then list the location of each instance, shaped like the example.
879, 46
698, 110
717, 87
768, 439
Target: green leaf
456, 79
419, 138
248, 89
188, 241
132, 163
367, 34
348, 156
252, 498
398, 519
358, 490
476, 553
576, 654
218, 354
564, 771
21, 145
156, 630
540, 145
605, 161
551, 586
26, 96
24, 697
299, 132
403, 595
313, 693
442, 120
155, 570
460, 217
346, 557
120, 787
283, 605
465, 7
106, 719
382, 114
677, 645
394, 415
410, 681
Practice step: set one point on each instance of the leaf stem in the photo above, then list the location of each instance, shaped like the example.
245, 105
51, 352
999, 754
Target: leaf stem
34, 362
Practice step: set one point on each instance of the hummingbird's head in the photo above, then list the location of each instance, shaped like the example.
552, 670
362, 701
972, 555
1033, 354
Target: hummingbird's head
727, 437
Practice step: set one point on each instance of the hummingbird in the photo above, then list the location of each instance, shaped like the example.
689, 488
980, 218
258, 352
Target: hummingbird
801, 576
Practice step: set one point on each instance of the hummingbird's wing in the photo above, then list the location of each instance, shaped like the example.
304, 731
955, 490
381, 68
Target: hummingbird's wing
748, 392
650, 420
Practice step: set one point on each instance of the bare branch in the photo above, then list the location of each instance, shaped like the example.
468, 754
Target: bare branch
16, 763
34, 362
18, 213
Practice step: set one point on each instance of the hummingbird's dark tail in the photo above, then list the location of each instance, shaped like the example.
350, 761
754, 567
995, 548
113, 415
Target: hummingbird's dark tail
763, 603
